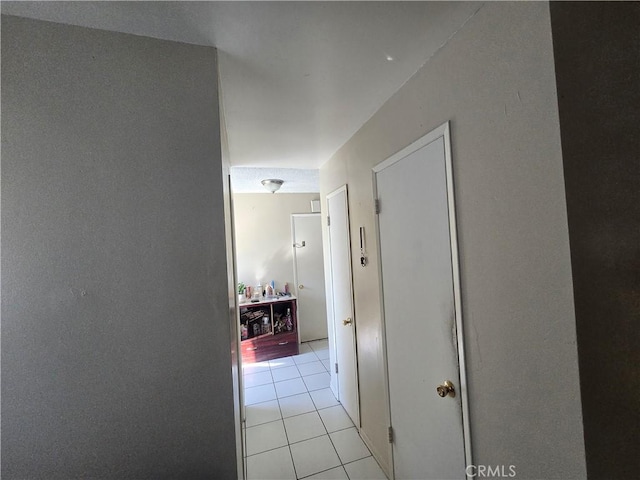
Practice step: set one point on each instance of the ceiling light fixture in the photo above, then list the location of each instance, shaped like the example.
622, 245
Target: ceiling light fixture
272, 184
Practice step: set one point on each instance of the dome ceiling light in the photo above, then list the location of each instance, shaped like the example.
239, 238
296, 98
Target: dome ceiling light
272, 184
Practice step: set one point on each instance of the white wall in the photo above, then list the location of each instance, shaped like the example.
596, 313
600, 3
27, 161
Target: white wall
263, 235
494, 80
115, 315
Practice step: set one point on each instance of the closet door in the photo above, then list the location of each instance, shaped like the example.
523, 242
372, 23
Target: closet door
306, 233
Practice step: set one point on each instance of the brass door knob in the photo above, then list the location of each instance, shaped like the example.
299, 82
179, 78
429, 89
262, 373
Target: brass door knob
346, 322
446, 389
300, 287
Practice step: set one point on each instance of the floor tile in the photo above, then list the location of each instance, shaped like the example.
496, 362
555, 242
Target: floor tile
255, 379
335, 418
323, 398
249, 368
281, 362
337, 473
365, 469
323, 353
286, 373
314, 456
260, 413
305, 358
288, 411
311, 368
349, 445
259, 394
273, 465
296, 405
290, 387
265, 437
317, 381
303, 427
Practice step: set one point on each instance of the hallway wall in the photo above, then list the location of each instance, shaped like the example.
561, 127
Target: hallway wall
115, 315
494, 80
263, 235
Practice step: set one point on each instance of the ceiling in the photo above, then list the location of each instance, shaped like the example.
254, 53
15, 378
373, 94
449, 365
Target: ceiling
298, 79
296, 180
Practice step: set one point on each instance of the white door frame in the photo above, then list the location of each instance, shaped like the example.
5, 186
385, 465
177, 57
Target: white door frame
235, 327
441, 131
333, 320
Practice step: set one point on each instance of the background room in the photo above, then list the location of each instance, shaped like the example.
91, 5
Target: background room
280, 272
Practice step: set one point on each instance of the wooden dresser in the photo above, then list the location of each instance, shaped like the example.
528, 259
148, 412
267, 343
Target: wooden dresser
268, 329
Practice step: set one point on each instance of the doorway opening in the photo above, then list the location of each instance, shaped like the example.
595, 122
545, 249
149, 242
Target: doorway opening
293, 425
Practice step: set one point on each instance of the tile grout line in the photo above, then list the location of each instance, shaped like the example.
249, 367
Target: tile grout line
299, 415
284, 426
324, 471
325, 428
317, 411
332, 444
352, 461
359, 459
267, 451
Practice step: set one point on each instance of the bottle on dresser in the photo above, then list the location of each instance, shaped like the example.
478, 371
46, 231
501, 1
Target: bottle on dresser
288, 321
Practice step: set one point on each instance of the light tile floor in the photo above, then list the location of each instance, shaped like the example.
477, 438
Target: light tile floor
295, 428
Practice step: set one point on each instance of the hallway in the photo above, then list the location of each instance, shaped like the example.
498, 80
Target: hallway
295, 427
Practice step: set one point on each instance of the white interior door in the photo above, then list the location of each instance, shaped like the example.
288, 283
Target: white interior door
421, 309
342, 299
308, 266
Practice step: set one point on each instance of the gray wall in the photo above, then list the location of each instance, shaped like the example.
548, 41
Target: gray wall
495, 81
597, 54
115, 320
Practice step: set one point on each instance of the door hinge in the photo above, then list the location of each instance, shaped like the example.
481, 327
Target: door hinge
390, 434
376, 204
328, 221
336, 368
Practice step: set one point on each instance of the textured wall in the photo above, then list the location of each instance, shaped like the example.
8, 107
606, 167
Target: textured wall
115, 323
495, 81
597, 54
